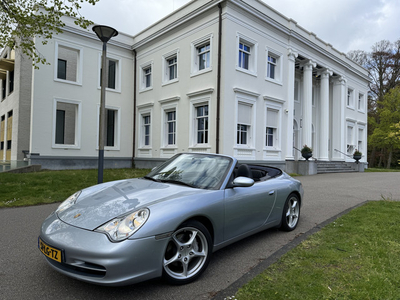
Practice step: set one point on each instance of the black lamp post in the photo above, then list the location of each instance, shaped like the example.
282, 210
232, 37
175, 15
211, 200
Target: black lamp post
104, 33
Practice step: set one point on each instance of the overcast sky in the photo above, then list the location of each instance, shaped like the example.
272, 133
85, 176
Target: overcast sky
346, 24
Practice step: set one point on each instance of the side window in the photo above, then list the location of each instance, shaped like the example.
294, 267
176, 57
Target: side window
66, 124
202, 124
68, 66
201, 52
146, 76
170, 67
274, 66
246, 54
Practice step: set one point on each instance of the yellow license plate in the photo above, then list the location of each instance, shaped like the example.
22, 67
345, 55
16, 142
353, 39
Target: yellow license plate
50, 252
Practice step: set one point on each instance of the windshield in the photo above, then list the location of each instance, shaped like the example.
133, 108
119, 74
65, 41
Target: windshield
195, 170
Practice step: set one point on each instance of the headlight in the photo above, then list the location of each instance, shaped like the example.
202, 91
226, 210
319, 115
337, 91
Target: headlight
123, 227
69, 202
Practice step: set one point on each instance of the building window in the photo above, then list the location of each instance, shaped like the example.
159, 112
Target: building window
112, 74
244, 123
350, 139
271, 66
201, 55
146, 130
172, 68
170, 65
11, 82
4, 88
62, 69
272, 125
66, 124
242, 131
350, 98
270, 134
147, 77
246, 55
297, 90
111, 118
68, 63
171, 128
361, 102
274, 66
202, 124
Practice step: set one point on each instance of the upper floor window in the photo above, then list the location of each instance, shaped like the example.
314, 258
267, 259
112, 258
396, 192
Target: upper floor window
112, 74
271, 67
350, 98
201, 55
11, 81
170, 66
361, 103
4, 88
172, 69
246, 55
68, 66
274, 66
146, 76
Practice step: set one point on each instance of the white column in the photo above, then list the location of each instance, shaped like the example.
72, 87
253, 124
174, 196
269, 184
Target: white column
338, 128
290, 104
324, 115
307, 103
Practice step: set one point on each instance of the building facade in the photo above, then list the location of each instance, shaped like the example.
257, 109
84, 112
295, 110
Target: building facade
236, 77
233, 77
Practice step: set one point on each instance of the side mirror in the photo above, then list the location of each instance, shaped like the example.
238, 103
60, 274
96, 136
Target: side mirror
243, 182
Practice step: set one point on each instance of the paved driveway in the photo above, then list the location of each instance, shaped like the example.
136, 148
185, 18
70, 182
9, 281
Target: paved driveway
24, 274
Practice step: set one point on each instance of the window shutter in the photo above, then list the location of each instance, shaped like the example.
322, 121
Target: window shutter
244, 114
272, 118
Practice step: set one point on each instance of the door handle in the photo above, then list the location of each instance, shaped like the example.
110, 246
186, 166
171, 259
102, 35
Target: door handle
271, 193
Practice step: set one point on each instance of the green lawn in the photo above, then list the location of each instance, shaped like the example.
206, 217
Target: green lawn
355, 257
53, 186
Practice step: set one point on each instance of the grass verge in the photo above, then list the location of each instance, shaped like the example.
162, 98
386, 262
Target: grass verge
355, 257
53, 186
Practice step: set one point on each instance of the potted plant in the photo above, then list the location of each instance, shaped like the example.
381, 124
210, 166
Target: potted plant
306, 152
357, 155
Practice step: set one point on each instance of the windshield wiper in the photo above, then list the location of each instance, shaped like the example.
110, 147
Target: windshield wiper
151, 178
178, 182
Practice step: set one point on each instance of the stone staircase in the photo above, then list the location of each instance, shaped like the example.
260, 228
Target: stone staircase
325, 167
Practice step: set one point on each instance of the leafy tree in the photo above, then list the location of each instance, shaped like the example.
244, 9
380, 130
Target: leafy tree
23, 20
387, 133
383, 65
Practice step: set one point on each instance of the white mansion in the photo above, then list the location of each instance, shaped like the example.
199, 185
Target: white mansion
232, 76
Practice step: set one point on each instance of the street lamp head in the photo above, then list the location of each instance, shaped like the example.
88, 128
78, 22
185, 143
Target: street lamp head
104, 33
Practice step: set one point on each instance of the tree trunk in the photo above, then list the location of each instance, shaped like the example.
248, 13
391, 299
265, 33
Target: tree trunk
389, 159
372, 158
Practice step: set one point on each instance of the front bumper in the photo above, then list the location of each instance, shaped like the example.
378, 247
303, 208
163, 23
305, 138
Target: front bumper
90, 256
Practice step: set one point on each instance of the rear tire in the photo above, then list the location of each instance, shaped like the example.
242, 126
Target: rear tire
291, 213
188, 253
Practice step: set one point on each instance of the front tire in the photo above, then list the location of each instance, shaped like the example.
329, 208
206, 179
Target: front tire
188, 253
291, 213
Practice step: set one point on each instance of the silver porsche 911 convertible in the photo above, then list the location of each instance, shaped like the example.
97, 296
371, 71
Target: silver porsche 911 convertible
169, 222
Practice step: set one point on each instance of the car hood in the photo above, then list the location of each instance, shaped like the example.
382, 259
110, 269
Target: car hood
101, 203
